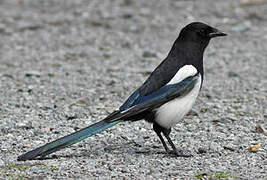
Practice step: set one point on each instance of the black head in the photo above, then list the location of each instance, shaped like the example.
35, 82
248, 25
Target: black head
200, 33
190, 45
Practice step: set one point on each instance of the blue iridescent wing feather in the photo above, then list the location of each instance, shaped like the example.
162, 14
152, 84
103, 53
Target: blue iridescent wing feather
160, 96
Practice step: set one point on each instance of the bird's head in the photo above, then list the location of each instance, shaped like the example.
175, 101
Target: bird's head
200, 33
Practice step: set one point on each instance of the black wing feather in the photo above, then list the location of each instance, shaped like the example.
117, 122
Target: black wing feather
157, 99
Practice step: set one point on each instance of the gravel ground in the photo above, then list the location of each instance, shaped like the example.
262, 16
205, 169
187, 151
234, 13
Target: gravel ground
67, 64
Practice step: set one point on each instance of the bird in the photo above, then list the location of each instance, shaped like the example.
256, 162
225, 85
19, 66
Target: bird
163, 99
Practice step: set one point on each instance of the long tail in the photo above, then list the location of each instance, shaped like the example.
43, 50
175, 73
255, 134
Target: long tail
68, 140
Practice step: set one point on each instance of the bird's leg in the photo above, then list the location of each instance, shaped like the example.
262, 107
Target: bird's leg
166, 132
174, 151
158, 130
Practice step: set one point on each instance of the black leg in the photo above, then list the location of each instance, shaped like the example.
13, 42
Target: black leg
178, 153
166, 132
158, 131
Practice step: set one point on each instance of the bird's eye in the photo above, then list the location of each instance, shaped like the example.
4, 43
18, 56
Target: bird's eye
201, 32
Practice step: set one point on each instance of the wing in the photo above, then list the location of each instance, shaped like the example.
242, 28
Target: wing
159, 77
156, 99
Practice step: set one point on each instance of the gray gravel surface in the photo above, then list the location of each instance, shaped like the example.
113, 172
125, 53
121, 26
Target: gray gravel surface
67, 64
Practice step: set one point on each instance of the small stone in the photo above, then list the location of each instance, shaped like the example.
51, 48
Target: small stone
127, 16
202, 151
29, 27
2, 163
47, 129
139, 143
9, 135
71, 117
254, 148
147, 54
261, 129
27, 145
20, 124
134, 29
141, 151
229, 148
46, 108
33, 74
125, 170
232, 74
8, 76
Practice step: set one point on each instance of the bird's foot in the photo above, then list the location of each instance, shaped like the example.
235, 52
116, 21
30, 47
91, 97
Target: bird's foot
178, 153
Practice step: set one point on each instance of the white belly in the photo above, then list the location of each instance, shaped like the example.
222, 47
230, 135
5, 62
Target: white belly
172, 112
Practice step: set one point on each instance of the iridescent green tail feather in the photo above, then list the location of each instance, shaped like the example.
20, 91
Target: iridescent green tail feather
67, 140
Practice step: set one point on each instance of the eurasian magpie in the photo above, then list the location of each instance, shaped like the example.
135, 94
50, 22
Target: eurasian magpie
163, 99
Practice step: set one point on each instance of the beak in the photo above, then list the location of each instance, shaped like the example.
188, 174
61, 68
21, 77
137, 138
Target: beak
216, 33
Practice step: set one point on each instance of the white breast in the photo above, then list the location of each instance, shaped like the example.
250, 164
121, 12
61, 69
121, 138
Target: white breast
172, 112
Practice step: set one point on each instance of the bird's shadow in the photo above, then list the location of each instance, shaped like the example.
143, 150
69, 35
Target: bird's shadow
129, 148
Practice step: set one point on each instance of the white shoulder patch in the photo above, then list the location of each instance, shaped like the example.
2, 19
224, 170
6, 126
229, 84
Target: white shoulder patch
184, 72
